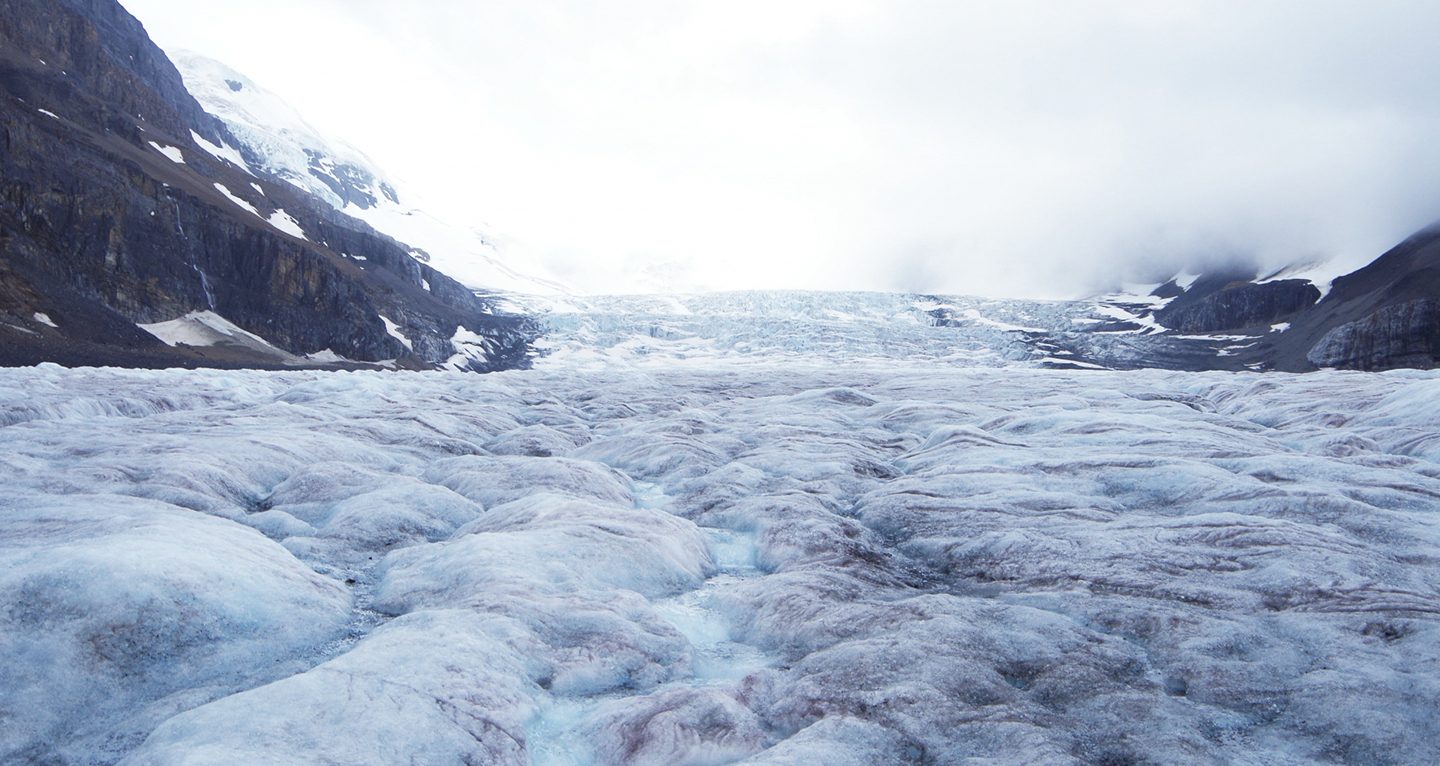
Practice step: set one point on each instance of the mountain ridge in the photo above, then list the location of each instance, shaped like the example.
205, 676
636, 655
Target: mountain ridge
1384, 315
123, 204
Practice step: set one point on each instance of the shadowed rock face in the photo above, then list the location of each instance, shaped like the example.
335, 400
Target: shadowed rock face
1403, 335
1239, 306
102, 228
95, 46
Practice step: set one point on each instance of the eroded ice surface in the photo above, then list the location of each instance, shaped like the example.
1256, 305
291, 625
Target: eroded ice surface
708, 565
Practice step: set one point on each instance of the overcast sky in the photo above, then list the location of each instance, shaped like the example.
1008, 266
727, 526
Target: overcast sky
1009, 149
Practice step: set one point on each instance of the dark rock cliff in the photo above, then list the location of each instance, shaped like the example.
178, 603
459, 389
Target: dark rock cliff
1402, 335
1238, 305
101, 230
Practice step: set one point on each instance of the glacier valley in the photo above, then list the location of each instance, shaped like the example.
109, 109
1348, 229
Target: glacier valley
747, 537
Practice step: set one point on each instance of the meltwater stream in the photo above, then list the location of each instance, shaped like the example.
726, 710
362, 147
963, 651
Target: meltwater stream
560, 734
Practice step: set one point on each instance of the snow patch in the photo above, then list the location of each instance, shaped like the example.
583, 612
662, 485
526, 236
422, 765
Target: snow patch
1147, 323
1322, 274
471, 349
328, 356
206, 328
286, 224
45, 320
393, 330
1215, 338
222, 152
242, 203
172, 153
1065, 361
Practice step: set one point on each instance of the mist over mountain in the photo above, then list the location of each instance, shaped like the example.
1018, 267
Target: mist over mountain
1020, 151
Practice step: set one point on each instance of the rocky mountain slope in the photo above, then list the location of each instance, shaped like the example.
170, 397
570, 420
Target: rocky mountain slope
133, 232
1383, 316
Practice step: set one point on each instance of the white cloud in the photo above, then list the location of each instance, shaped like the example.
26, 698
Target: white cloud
1022, 149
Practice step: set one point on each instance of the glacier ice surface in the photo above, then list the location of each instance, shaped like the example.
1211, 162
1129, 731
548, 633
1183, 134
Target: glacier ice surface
781, 563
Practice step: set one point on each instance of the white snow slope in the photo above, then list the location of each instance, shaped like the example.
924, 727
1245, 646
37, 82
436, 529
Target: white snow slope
344, 178
792, 563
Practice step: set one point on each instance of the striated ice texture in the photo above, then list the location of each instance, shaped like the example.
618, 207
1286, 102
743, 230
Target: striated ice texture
779, 564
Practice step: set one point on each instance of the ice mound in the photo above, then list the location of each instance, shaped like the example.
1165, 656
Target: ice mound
117, 612
431, 687
498, 480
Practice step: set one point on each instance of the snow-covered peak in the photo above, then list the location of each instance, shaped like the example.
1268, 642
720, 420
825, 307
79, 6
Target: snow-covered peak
280, 141
277, 140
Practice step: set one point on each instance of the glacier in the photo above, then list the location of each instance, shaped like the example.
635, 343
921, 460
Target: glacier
1116, 331
822, 536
